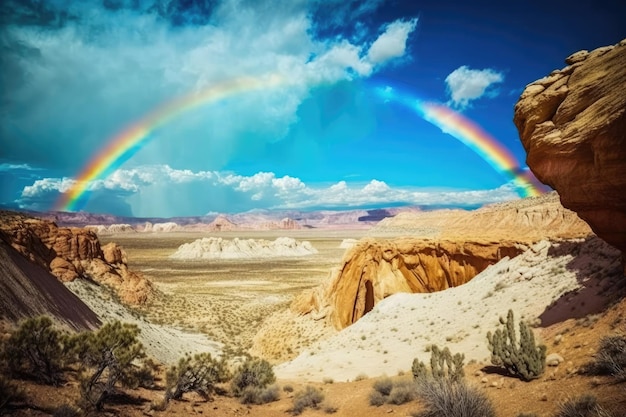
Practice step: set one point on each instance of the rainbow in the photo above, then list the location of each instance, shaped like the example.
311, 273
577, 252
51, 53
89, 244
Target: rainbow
124, 145
472, 136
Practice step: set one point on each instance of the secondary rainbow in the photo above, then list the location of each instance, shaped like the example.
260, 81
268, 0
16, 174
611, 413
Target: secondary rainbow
124, 145
472, 136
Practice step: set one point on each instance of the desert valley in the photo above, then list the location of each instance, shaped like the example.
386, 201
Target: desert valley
345, 313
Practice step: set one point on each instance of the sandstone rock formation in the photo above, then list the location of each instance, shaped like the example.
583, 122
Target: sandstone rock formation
110, 229
572, 124
374, 269
71, 253
441, 249
525, 220
218, 248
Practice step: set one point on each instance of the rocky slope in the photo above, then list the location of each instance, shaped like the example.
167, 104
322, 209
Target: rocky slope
71, 253
28, 290
572, 124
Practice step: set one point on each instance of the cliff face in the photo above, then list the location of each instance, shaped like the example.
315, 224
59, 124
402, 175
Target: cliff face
71, 253
572, 124
374, 269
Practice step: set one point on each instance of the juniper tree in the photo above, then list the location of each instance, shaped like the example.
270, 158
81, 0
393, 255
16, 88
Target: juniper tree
199, 374
36, 348
524, 359
107, 357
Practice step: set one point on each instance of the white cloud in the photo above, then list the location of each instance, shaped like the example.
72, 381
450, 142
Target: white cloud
391, 43
4, 167
132, 60
465, 84
261, 190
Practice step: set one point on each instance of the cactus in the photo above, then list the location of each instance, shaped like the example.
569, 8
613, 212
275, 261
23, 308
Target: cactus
443, 365
526, 359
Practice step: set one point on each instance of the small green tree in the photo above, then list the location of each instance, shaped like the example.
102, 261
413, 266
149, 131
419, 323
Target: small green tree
107, 357
36, 348
253, 373
199, 374
443, 365
524, 359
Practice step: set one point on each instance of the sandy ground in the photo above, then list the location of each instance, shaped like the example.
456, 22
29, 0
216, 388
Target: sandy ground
402, 326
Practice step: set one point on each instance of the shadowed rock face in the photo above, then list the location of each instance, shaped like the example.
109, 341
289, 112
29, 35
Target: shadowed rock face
572, 124
375, 269
71, 253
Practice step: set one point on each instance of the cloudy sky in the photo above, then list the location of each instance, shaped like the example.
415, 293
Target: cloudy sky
74, 75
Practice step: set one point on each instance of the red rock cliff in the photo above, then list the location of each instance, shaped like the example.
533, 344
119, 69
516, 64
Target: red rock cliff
572, 124
71, 253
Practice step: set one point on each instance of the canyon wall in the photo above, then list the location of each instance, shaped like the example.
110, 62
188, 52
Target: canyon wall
572, 124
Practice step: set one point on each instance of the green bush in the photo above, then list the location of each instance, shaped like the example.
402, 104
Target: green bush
310, 397
524, 359
199, 374
585, 406
446, 398
36, 348
107, 357
443, 365
252, 373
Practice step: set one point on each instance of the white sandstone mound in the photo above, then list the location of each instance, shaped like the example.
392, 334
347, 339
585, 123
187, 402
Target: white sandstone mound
218, 248
160, 227
347, 243
101, 229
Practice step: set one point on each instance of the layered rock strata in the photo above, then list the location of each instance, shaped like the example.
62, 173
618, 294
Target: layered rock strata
572, 124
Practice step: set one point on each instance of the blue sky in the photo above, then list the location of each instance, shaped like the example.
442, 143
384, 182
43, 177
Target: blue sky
74, 74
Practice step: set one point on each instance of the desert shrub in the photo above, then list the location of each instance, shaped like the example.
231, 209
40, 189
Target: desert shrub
288, 388
107, 358
256, 395
146, 374
329, 408
443, 365
377, 399
446, 398
36, 348
310, 397
383, 385
585, 406
402, 392
524, 359
527, 415
252, 373
610, 358
199, 373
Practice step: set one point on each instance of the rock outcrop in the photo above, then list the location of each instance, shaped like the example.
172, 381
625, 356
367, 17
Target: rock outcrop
374, 269
525, 220
572, 124
28, 290
72, 253
218, 248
